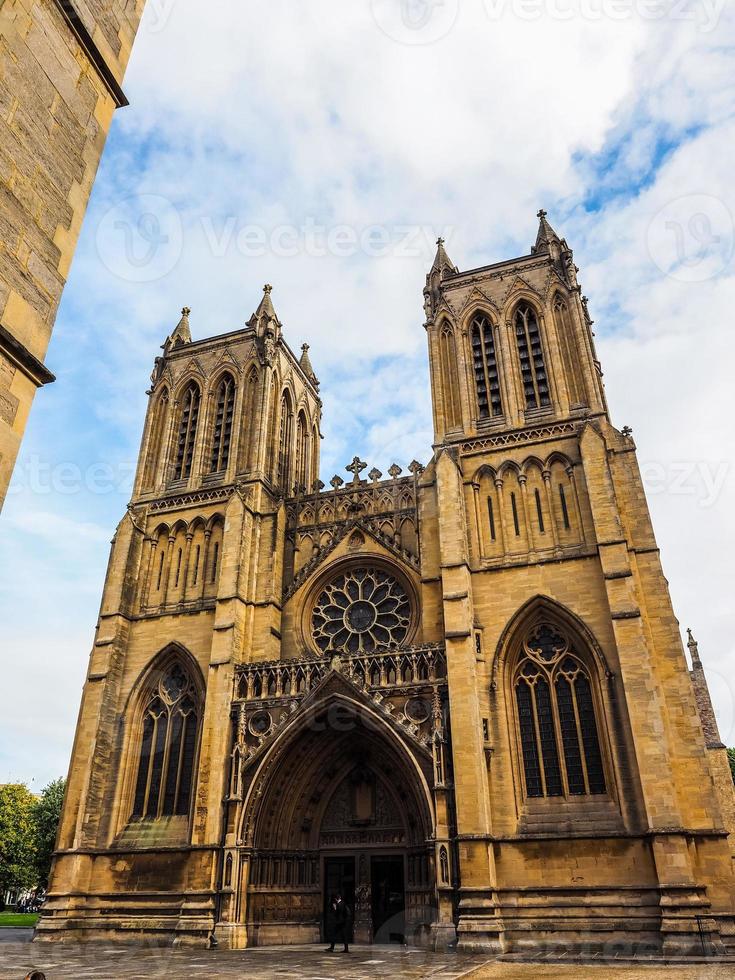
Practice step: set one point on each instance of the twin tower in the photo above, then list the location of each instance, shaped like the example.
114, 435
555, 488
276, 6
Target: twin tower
456, 693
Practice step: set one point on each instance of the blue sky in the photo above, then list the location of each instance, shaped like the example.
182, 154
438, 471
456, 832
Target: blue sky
323, 148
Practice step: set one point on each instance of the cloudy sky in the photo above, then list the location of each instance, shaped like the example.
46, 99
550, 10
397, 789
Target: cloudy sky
322, 147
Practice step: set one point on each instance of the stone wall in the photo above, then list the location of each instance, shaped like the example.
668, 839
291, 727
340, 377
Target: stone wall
61, 66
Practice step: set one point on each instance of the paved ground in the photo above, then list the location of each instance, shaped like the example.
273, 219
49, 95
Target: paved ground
85, 962
10, 934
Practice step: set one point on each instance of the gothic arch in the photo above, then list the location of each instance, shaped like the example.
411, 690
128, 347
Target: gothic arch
271, 447
156, 451
535, 609
283, 446
188, 408
531, 346
217, 518
540, 504
557, 711
213, 555
480, 327
509, 467
246, 415
532, 462
160, 538
304, 750
449, 371
302, 467
314, 455
558, 457
519, 533
478, 300
162, 667
517, 297
158, 663
162, 528
220, 429
484, 470
568, 341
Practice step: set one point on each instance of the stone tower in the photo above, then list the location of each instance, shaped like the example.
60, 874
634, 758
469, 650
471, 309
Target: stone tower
61, 67
458, 695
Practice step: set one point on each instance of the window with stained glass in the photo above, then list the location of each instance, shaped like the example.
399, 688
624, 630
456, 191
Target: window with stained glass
168, 747
557, 720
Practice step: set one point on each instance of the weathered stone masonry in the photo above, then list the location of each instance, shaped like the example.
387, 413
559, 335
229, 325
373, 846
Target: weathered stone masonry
61, 67
458, 693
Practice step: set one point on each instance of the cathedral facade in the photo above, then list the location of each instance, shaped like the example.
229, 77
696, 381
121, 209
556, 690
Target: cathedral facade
457, 694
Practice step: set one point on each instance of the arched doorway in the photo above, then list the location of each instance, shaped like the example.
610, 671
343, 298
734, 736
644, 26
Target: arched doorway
340, 802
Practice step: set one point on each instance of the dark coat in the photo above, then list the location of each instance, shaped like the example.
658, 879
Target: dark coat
341, 913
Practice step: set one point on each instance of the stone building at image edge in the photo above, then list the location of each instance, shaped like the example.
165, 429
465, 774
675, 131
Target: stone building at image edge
62, 63
457, 694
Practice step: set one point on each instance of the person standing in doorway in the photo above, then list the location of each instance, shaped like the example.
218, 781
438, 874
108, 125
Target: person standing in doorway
340, 923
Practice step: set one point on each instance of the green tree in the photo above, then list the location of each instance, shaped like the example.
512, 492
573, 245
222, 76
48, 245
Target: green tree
46, 816
731, 757
17, 838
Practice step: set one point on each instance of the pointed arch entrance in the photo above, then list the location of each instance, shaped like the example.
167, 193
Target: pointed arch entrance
340, 801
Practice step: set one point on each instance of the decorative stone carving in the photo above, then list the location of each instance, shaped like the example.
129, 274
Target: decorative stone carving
361, 611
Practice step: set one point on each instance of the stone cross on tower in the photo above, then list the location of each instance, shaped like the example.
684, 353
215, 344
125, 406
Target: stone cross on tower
356, 467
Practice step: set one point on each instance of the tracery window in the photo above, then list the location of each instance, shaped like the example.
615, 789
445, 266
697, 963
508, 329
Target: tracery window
571, 356
284, 441
158, 430
360, 611
302, 454
487, 380
188, 424
168, 747
557, 720
531, 354
450, 378
222, 436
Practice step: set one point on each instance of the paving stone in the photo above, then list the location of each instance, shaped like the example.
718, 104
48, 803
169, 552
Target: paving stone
99, 962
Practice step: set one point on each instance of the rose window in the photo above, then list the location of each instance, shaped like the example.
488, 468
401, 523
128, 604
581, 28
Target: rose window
361, 611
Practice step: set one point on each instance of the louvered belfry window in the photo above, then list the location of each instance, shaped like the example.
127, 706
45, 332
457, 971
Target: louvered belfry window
531, 354
188, 425
485, 362
168, 748
222, 436
558, 728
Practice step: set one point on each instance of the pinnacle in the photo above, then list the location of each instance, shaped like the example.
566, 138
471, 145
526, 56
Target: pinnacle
265, 318
266, 304
182, 332
305, 362
442, 263
546, 233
